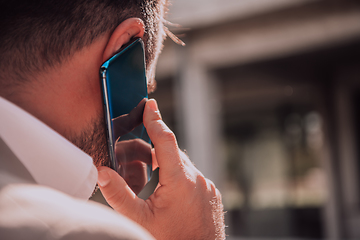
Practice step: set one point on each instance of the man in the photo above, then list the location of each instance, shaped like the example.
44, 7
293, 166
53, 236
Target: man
51, 52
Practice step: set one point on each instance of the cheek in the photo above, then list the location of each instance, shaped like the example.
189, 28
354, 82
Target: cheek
84, 102
91, 99
95, 96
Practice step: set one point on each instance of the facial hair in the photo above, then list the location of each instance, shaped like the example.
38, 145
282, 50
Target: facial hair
93, 141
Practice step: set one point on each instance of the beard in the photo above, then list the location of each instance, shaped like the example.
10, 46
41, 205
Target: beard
93, 141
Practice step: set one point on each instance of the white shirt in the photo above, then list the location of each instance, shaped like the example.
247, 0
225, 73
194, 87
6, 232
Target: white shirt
50, 158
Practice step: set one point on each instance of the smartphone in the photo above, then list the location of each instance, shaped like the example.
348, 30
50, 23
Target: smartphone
124, 88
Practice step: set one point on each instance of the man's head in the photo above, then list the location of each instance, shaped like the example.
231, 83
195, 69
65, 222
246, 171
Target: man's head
51, 52
38, 34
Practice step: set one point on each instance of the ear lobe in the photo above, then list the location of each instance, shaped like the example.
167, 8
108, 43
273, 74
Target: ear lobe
130, 28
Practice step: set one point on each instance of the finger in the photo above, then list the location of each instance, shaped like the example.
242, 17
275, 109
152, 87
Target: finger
166, 149
118, 194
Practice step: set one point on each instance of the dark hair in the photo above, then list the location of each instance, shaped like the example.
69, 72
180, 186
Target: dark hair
38, 34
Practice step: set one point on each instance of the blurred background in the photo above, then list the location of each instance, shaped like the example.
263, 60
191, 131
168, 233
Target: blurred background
265, 98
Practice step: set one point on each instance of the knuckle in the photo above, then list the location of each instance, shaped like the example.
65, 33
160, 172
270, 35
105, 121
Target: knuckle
160, 130
168, 135
202, 181
211, 186
157, 115
218, 195
204, 185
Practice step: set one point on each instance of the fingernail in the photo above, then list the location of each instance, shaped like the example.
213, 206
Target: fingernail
152, 105
103, 178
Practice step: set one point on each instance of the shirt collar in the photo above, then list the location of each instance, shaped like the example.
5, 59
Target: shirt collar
50, 158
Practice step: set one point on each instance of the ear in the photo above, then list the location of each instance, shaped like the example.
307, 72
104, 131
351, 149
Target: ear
131, 27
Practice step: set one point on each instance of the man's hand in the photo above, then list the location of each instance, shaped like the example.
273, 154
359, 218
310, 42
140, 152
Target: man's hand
185, 205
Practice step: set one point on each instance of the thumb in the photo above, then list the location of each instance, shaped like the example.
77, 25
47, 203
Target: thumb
119, 195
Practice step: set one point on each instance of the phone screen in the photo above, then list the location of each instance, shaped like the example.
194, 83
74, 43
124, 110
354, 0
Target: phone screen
124, 88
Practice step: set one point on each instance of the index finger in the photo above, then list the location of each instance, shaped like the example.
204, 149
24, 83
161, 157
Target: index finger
164, 140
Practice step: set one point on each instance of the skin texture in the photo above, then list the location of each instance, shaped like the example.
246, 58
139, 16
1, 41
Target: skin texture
67, 97
185, 205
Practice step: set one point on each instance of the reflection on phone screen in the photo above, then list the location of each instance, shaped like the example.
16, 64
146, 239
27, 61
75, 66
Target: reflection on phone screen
125, 92
132, 148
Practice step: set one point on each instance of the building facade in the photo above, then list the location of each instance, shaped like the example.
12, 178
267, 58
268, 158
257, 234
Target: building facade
265, 99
